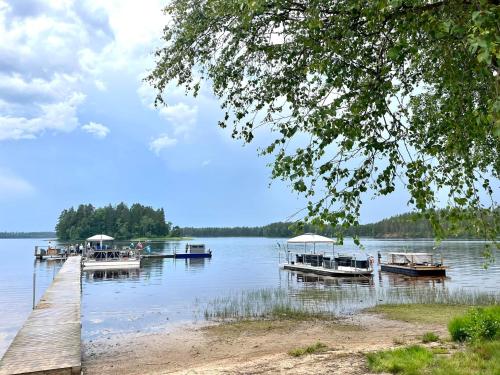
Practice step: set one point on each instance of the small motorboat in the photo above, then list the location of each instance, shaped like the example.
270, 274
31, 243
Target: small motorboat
194, 251
414, 264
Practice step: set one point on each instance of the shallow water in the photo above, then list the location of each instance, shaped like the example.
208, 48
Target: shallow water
167, 292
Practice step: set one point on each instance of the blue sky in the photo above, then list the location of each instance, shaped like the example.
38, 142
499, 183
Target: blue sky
77, 126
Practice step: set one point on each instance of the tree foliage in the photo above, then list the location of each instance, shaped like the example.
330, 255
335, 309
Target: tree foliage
27, 234
361, 95
118, 221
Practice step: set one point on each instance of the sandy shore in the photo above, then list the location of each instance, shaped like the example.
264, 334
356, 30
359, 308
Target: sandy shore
252, 347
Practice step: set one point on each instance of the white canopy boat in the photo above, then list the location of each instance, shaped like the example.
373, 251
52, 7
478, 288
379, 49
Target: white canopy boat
322, 263
100, 253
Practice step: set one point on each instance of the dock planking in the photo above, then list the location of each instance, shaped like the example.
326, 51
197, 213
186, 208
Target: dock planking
49, 342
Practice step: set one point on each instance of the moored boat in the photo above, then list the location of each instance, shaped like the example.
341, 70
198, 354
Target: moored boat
414, 264
100, 254
50, 252
323, 263
194, 251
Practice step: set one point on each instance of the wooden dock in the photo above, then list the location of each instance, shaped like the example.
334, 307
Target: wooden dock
49, 342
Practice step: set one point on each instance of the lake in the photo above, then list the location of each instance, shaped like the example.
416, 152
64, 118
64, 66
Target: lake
164, 293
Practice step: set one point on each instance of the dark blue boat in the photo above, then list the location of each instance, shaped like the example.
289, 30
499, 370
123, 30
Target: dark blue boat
194, 251
191, 255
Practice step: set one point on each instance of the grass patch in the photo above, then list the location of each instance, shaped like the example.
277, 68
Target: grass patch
410, 360
420, 313
478, 358
440, 350
480, 327
294, 313
479, 323
430, 337
319, 347
481, 357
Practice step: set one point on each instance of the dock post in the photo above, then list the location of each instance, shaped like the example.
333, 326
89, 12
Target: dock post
34, 288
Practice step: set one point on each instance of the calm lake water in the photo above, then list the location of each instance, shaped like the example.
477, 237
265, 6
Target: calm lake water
165, 292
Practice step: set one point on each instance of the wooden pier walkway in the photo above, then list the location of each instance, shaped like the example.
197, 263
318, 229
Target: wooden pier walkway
49, 342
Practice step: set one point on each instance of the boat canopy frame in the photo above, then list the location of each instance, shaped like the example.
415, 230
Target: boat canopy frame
309, 238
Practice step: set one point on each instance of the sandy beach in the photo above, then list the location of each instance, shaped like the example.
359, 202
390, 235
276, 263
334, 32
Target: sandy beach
253, 347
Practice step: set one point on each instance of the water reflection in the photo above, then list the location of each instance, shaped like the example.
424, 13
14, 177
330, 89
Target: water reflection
111, 274
310, 278
195, 263
398, 280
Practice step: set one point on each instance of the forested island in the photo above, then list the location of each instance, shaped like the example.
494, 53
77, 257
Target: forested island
14, 235
138, 221
120, 222
408, 225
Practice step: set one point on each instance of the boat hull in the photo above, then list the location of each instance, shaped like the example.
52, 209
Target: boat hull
190, 256
341, 272
111, 265
414, 271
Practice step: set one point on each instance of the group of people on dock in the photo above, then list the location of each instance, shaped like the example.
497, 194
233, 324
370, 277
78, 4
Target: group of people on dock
75, 248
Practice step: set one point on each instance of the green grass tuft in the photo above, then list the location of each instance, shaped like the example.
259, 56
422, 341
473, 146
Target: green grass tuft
477, 324
410, 360
430, 337
478, 358
440, 350
319, 347
294, 313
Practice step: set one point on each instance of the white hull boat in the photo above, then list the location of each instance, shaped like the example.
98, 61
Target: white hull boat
92, 264
100, 254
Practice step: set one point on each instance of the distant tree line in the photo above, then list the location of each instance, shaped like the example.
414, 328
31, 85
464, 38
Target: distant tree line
409, 225
118, 221
27, 234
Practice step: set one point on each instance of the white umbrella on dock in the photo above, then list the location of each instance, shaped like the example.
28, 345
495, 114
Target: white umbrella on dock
100, 238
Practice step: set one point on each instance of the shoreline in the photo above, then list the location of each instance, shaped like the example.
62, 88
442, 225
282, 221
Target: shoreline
253, 346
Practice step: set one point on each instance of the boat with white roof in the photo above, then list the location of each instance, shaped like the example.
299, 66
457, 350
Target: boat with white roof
101, 253
318, 261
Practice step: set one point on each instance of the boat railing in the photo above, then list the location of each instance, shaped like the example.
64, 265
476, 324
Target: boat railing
412, 260
329, 261
111, 255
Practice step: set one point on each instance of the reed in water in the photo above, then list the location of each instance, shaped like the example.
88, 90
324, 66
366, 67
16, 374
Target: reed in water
313, 303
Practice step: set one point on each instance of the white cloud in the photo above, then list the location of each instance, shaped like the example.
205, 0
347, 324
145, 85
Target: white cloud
51, 50
100, 85
97, 130
162, 142
204, 163
59, 116
181, 116
12, 186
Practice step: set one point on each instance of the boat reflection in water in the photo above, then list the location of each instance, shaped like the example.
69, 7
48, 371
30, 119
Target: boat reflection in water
195, 263
398, 280
116, 274
302, 277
